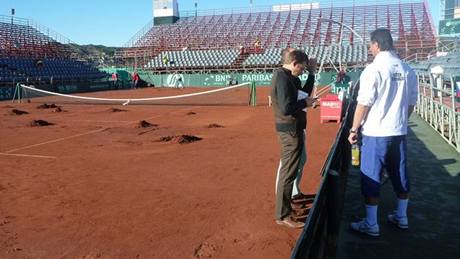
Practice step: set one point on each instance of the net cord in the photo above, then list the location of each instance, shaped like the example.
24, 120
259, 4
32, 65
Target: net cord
127, 101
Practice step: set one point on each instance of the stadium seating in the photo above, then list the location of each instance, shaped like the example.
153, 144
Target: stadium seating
26, 69
409, 22
450, 63
271, 56
194, 58
28, 55
22, 40
350, 54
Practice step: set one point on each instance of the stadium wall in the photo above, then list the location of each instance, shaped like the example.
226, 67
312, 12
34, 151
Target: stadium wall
216, 79
7, 92
168, 80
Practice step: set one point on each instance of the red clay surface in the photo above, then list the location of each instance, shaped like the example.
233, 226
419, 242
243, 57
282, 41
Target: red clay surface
97, 185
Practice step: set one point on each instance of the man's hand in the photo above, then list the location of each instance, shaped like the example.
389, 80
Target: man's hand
311, 66
310, 101
353, 138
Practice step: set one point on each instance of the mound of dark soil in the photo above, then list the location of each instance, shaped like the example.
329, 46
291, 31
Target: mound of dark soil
58, 109
18, 112
185, 139
190, 113
47, 106
166, 138
181, 139
146, 124
40, 123
116, 110
214, 125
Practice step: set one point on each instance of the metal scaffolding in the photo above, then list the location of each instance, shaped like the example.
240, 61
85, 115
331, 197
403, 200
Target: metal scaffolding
439, 106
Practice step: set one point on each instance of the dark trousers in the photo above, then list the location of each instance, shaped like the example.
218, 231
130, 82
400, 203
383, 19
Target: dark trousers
291, 150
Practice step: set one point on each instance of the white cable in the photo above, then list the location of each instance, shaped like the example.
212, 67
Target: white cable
133, 100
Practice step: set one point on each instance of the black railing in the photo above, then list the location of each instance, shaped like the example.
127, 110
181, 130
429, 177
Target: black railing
319, 237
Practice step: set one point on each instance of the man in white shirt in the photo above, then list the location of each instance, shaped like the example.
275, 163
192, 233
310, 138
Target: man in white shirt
387, 96
179, 83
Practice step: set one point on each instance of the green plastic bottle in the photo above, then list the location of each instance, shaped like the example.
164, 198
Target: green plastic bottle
355, 155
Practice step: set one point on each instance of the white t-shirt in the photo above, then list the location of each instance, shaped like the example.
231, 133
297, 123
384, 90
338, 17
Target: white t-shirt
388, 86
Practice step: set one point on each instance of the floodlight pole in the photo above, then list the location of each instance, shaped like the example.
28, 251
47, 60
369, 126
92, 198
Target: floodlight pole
196, 8
340, 36
13, 12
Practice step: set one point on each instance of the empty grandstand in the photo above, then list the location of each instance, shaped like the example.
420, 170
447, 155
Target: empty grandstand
332, 33
24, 38
449, 61
33, 54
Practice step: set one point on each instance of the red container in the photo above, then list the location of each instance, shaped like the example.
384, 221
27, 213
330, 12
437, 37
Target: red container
331, 108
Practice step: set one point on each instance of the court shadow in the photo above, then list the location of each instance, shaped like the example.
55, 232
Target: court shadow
433, 209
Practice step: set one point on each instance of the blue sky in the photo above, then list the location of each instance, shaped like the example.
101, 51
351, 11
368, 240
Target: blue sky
114, 22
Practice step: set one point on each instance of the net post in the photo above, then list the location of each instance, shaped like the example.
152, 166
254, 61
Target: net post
17, 92
252, 94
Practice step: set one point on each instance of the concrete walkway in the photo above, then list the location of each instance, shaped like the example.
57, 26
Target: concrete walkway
434, 206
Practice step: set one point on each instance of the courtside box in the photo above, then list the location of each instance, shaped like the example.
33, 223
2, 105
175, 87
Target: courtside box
331, 108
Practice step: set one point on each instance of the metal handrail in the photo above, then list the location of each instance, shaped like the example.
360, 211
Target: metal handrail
269, 8
53, 35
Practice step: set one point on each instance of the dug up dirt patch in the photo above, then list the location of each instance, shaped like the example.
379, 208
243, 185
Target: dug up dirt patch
145, 124
18, 112
116, 110
214, 125
181, 139
47, 106
40, 123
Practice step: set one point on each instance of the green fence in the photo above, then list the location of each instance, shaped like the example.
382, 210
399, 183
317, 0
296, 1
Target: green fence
260, 79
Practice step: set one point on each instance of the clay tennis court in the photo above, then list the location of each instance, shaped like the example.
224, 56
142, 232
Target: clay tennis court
198, 182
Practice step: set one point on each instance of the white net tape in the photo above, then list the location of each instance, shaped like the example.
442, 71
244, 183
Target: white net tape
124, 101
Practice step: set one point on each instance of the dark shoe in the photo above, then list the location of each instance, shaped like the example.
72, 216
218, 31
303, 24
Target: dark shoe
289, 222
302, 198
300, 212
302, 218
298, 206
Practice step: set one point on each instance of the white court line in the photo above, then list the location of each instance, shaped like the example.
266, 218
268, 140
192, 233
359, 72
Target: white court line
70, 137
54, 140
24, 155
102, 121
323, 90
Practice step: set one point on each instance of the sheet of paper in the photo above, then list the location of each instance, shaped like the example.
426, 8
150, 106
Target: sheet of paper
301, 95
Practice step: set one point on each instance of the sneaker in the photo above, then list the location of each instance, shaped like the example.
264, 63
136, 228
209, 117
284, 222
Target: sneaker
400, 222
289, 222
365, 228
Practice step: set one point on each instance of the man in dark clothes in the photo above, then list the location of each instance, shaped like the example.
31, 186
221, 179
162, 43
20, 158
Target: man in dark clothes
297, 195
290, 122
